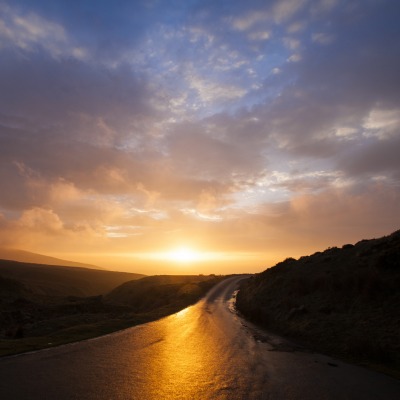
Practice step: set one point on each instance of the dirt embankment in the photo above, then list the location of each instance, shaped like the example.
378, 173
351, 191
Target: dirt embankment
343, 302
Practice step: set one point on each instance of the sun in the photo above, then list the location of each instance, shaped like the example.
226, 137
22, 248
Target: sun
183, 255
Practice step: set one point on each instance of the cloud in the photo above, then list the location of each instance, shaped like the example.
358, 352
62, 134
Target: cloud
59, 93
283, 10
151, 195
29, 31
295, 58
240, 125
357, 209
376, 158
332, 217
259, 35
40, 219
322, 38
248, 21
297, 26
208, 202
323, 6
291, 43
382, 123
215, 148
210, 92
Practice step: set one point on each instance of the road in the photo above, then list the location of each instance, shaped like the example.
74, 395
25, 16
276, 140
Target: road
203, 352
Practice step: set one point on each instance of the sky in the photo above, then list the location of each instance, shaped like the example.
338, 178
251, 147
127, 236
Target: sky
199, 136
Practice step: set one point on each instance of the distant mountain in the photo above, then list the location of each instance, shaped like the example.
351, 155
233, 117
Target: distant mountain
342, 301
34, 258
50, 280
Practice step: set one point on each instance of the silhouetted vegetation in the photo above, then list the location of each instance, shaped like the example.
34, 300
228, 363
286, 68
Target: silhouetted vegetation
39, 305
64, 281
161, 292
343, 302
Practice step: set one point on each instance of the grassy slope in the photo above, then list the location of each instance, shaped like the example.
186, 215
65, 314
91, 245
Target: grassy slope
343, 302
35, 258
64, 281
162, 292
30, 321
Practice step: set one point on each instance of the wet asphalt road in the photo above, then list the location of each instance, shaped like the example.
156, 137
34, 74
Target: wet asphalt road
203, 352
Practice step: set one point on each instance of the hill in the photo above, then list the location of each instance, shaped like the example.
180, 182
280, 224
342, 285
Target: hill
42, 306
161, 292
62, 280
35, 258
343, 302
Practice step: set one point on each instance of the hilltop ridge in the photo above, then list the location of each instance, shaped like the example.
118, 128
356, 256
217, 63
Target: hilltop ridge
35, 258
60, 280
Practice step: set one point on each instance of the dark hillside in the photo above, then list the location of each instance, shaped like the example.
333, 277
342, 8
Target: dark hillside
64, 281
344, 302
10, 289
39, 306
162, 291
47, 304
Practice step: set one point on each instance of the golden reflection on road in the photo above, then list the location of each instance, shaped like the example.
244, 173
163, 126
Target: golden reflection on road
182, 313
185, 363
190, 354
204, 352
190, 359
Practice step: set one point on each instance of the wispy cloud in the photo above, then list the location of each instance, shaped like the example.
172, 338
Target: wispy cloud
29, 32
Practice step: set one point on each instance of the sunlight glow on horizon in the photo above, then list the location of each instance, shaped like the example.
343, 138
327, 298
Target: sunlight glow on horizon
183, 254
216, 144
176, 260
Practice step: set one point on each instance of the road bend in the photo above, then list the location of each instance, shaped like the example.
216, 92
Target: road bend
205, 352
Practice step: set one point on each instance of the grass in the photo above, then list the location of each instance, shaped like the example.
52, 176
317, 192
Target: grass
63, 281
74, 333
342, 302
30, 322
